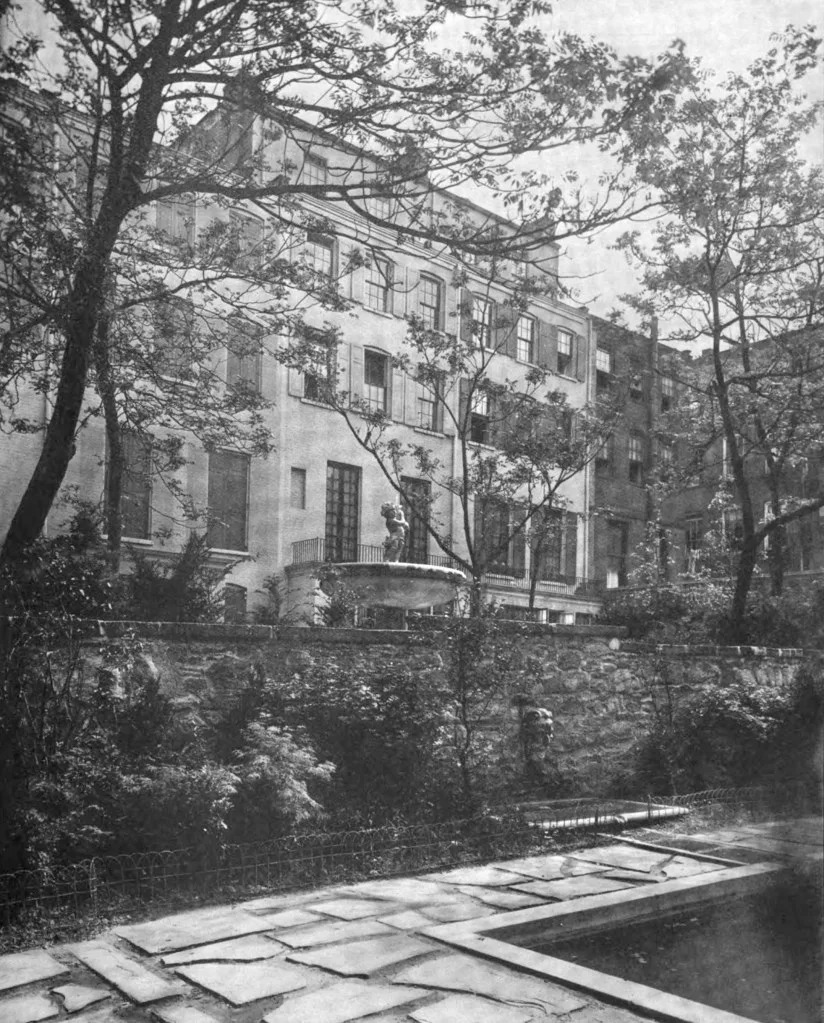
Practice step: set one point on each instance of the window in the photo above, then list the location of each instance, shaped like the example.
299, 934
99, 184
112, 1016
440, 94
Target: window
228, 500
378, 290
636, 459
375, 377
430, 302
297, 488
667, 393
176, 220
246, 240
320, 254
665, 459
800, 538
342, 507
135, 486
479, 419
693, 531
315, 170
416, 509
605, 458
733, 528
430, 406
174, 321
636, 387
525, 339
234, 603
564, 352
320, 377
547, 544
502, 552
482, 314
617, 552
603, 369
242, 359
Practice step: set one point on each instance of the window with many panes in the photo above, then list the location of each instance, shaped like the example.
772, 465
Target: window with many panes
376, 380
525, 339
693, 532
667, 393
603, 369
565, 352
416, 504
605, 457
342, 509
430, 405
482, 314
174, 324
320, 376
430, 302
636, 387
228, 500
501, 548
135, 485
479, 431
665, 459
617, 553
636, 458
378, 288
547, 536
320, 254
315, 170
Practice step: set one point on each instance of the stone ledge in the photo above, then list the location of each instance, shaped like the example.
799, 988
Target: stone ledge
634, 646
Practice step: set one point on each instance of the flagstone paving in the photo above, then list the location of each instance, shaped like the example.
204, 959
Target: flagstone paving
19, 968
274, 959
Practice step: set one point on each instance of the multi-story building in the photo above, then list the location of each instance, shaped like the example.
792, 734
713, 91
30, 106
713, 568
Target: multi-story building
317, 496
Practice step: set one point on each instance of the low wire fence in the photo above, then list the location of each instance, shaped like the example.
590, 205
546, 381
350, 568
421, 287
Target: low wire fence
104, 885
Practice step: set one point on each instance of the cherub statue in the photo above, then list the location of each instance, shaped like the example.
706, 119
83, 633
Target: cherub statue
395, 544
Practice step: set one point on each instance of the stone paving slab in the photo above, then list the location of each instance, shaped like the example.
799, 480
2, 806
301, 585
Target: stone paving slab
685, 866
628, 856
288, 918
107, 1014
354, 909
503, 899
182, 1012
241, 983
184, 930
240, 950
471, 975
572, 887
452, 914
28, 1008
490, 877
326, 934
363, 958
19, 968
79, 996
469, 1009
409, 890
340, 1003
406, 920
130, 977
549, 867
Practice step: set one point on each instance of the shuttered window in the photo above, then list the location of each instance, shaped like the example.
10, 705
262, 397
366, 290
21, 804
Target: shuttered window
617, 553
430, 302
375, 377
525, 334
378, 288
320, 254
565, 362
228, 500
342, 506
242, 359
416, 510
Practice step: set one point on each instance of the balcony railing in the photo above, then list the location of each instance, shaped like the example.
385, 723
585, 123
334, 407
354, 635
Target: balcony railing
563, 585
317, 551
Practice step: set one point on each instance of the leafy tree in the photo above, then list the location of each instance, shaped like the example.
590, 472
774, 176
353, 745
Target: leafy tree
125, 83
735, 258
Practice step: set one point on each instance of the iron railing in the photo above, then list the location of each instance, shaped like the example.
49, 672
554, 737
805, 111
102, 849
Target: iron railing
317, 551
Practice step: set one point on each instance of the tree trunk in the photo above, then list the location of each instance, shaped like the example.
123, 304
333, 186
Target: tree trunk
743, 581
114, 442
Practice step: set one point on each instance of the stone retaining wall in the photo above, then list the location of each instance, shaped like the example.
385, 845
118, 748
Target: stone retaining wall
601, 688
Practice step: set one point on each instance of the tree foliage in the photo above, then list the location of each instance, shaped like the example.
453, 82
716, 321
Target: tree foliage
735, 261
88, 162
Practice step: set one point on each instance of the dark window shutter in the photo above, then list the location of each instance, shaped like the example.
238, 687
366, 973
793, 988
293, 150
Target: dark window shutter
546, 341
228, 495
465, 303
580, 343
463, 408
504, 337
571, 544
519, 547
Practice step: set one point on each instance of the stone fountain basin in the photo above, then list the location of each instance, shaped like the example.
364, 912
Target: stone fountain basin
396, 584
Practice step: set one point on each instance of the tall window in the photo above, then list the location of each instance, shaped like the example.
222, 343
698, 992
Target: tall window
605, 458
320, 376
242, 359
503, 549
430, 406
525, 338
547, 543
693, 531
564, 352
136, 486
479, 424
617, 553
378, 292
430, 302
315, 170
482, 314
320, 254
416, 510
342, 505
800, 539
636, 458
665, 459
174, 323
375, 380
247, 237
667, 393
636, 387
228, 500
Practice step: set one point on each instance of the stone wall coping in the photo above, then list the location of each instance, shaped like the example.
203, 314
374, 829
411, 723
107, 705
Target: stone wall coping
704, 650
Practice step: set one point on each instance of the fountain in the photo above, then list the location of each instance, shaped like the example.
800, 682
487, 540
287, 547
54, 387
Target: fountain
393, 582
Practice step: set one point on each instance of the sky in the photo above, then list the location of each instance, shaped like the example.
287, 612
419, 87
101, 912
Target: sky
726, 34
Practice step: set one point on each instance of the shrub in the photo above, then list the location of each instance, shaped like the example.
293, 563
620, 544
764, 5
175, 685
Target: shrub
185, 590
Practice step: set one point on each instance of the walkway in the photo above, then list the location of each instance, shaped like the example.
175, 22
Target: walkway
344, 953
